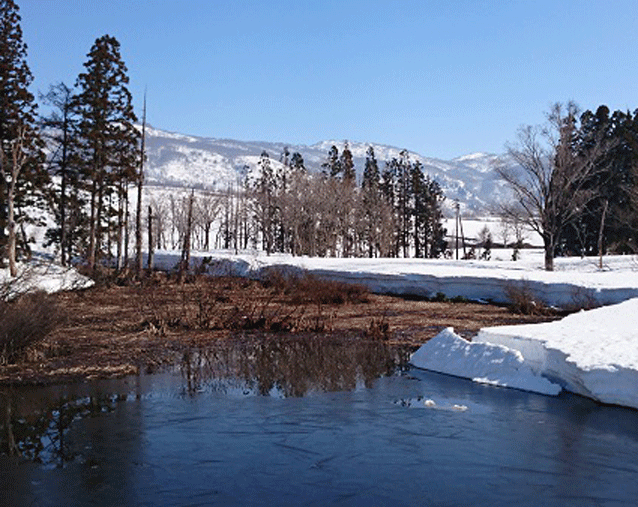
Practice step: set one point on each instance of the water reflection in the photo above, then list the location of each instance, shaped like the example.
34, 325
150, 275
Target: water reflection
290, 366
35, 423
37, 429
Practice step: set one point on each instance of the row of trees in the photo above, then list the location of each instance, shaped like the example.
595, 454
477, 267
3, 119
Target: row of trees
394, 212
576, 181
89, 141
280, 207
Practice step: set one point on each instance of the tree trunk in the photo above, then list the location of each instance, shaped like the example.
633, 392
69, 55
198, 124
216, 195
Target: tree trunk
138, 216
186, 250
549, 246
150, 238
600, 234
92, 227
11, 245
17, 161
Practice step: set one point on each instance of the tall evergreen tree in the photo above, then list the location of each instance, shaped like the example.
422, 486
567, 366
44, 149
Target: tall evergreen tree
372, 199
22, 177
109, 137
332, 166
297, 162
347, 165
60, 131
265, 212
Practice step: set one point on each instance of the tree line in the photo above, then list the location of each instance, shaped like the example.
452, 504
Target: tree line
280, 207
80, 161
575, 180
394, 212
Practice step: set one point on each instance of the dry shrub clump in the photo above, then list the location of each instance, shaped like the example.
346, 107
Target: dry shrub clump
522, 300
305, 288
24, 322
278, 302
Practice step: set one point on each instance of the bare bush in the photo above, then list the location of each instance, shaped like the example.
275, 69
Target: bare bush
522, 300
24, 322
305, 288
279, 303
583, 299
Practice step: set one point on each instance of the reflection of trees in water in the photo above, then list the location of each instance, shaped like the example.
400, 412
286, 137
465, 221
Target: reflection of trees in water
41, 434
292, 365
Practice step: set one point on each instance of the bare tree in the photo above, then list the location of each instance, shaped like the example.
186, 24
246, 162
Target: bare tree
551, 178
505, 231
10, 171
206, 210
138, 212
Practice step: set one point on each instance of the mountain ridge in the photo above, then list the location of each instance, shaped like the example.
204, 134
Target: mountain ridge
186, 160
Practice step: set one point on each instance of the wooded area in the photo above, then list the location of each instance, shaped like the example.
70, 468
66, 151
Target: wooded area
574, 179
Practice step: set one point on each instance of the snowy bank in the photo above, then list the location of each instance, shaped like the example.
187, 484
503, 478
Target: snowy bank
485, 363
44, 276
576, 282
592, 353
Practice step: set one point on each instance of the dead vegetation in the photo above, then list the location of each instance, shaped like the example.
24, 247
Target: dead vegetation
25, 321
122, 327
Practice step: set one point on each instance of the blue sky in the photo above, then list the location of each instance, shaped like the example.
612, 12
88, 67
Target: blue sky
442, 77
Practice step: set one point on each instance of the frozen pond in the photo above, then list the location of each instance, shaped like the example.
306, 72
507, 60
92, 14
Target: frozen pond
313, 424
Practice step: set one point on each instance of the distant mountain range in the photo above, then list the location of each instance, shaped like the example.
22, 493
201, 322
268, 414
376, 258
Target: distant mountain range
179, 160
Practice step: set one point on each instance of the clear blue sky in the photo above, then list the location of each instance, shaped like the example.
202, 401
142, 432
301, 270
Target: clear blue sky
442, 77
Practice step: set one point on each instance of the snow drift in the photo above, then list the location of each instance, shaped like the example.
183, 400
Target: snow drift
591, 353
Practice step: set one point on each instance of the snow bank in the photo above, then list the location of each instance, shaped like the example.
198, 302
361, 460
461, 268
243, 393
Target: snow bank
592, 353
48, 277
482, 362
575, 281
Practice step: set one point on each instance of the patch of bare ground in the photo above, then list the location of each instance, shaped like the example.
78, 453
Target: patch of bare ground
116, 330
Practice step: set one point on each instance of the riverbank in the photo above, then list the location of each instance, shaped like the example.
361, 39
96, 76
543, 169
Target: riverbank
112, 330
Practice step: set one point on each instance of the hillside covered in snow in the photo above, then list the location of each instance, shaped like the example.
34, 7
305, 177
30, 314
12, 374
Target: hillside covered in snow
188, 161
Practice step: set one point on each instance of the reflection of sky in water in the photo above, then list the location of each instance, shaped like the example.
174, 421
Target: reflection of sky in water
220, 442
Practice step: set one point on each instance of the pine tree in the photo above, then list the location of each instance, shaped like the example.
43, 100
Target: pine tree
297, 162
60, 130
332, 166
22, 177
372, 198
108, 135
265, 202
419, 210
346, 165
436, 232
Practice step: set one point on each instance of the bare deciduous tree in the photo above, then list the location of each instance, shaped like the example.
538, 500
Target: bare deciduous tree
551, 178
10, 171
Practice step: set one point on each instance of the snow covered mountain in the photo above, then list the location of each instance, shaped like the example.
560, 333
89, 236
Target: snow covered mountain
179, 160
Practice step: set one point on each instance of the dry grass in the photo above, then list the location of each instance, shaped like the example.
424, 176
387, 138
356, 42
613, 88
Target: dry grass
121, 329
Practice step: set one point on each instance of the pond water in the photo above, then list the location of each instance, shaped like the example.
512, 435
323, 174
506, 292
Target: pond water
311, 423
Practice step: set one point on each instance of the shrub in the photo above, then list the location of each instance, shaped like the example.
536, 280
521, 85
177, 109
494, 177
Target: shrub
583, 299
305, 288
310, 289
521, 299
24, 322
